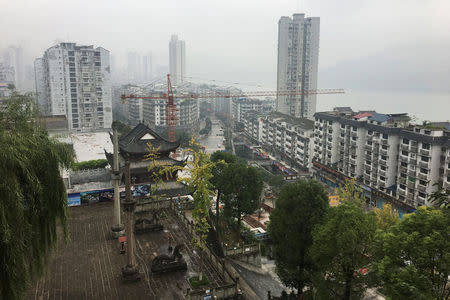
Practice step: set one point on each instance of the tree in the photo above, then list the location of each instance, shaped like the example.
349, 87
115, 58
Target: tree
386, 217
222, 159
340, 249
242, 188
440, 197
33, 196
350, 192
413, 257
199, 181
299, 208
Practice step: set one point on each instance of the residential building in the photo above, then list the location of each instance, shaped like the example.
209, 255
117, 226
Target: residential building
298, 59
74, 81
188, 113
7, 80
241, 106
177, 63
147, 68
282, 135
384, 152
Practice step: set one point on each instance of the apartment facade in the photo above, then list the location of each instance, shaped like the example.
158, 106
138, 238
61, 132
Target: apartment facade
298, 60
383, 153
242, 106
75, 81
188, 113
177, 62
282, 135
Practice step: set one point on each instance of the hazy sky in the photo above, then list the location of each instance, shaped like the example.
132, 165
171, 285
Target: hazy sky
369, 46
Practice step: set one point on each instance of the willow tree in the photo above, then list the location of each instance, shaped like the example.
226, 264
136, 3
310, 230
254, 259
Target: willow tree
32, 195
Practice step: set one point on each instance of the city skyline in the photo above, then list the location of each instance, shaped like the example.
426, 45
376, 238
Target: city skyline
376, 62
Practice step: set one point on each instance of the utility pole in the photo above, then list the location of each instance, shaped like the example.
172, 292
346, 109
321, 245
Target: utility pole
117, 228
130, 272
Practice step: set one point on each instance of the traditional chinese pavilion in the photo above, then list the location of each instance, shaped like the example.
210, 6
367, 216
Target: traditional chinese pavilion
134, 147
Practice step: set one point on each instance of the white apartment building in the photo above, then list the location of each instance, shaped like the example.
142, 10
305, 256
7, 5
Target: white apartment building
75, 82
7, 78
298, 60
242, 106
383, 152
282, 135
177, 63
188, 113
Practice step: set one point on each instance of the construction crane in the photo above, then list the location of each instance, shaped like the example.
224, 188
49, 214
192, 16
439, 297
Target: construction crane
171, 109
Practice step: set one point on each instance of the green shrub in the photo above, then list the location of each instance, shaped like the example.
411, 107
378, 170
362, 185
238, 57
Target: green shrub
90, 164
195, 283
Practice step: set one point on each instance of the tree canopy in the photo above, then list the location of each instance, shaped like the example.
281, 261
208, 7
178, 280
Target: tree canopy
33, 196
300, 206
341, 248
242, 188
413, 257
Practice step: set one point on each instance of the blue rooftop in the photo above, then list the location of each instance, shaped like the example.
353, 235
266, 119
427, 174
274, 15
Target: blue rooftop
381, 118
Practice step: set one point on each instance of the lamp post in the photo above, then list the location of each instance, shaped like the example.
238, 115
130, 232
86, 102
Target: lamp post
130, 271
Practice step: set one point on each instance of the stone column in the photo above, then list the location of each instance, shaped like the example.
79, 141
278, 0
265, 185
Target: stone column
130, 272
117, 228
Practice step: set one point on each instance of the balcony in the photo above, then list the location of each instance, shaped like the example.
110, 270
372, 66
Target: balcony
384, 142
412, 173
414, 149
401, 192
383, 152
403, 158
382, 162
382, 173
422, 188
403, 169
404, 147
402, 180
424, 152
422, 176
424, 164
368, 147
411, 185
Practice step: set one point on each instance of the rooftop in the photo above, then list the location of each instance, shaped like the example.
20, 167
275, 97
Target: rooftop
302, 122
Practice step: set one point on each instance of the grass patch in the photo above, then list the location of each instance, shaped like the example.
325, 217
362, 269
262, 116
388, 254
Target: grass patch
195, 283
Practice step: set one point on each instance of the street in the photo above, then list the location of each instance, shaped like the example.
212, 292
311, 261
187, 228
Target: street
214, 140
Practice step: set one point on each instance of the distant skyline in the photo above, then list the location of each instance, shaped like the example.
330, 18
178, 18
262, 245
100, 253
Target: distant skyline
366, 47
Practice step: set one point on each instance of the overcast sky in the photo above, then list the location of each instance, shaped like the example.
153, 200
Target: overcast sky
374, 46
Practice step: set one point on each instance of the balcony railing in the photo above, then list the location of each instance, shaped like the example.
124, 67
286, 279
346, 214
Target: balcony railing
424, 164
424, 152
422, 176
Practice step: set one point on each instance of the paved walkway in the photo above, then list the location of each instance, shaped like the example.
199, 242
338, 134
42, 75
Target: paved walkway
89, 265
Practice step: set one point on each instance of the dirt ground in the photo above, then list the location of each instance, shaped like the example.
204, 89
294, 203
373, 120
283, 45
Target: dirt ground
89, 265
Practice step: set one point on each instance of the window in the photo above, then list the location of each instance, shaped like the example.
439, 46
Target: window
405, 153
369, 132
422, 195
71, 64
342, 126
71, 59
73, 79
402, 186
72, 74
73, 85
96, 53
385, 136
422, 182
382, 178
403, 164
73, 90
426, 146
368, 162
383, 157
97, 64
353, 128
425, 158
402, 175
71, 69
406, 141
424, 171
427, 132
383, 168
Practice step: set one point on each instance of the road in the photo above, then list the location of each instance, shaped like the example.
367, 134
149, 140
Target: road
214, 140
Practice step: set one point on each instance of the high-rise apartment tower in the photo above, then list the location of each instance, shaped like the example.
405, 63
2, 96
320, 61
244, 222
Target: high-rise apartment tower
298, 59
75, 81
177, 65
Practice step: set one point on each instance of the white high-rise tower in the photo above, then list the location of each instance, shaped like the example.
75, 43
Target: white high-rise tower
298, 60
177, 63
75, 81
